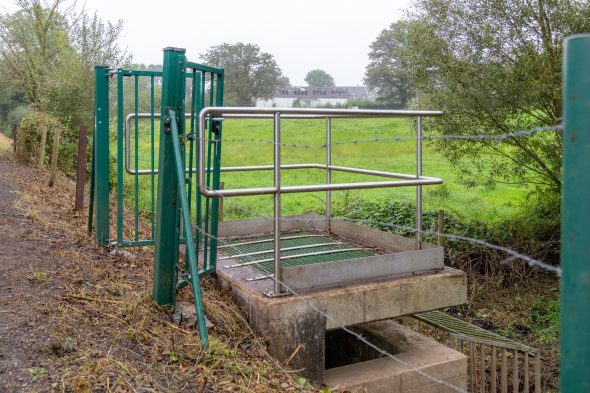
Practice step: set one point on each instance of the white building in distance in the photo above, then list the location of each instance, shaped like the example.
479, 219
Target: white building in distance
312, 97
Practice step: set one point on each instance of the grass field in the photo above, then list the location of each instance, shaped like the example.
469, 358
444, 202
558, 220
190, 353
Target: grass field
482, 203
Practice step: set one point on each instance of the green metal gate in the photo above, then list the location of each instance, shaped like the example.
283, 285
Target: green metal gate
156, 202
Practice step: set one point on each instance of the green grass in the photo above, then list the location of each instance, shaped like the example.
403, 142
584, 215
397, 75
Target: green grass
481, 203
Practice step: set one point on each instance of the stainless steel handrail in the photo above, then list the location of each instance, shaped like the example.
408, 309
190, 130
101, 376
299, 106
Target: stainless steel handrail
219, 113
144, 115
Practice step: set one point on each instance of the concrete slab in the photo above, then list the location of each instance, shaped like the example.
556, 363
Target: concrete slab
389, 375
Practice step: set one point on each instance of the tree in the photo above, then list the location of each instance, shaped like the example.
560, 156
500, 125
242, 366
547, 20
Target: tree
11, 97
319, 78
249, 73
284, 81
493, 68
32, 41
68, 92
386, 74
48, 50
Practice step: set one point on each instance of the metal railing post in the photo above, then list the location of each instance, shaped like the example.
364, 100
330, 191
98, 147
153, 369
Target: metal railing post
328, 171
167, 210
277, 205
575, 217
101, 146
419, 187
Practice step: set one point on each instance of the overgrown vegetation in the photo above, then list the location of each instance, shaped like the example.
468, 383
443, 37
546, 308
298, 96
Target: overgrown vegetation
48, 50
536, 235
494, 67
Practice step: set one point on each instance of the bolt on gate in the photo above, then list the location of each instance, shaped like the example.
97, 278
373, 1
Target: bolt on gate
178, 92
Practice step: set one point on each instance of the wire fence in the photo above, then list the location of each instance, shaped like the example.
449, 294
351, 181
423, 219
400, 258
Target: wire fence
474, 137
513, 255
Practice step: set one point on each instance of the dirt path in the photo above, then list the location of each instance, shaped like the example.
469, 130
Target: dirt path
29, 288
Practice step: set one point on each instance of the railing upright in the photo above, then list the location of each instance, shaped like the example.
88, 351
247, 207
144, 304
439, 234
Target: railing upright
278, 272
217, 128
328, 171
418, 187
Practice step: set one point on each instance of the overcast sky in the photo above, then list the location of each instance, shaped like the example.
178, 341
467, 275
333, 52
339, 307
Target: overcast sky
333, 35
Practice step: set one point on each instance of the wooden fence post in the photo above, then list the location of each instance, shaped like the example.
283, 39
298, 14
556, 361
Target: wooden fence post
41, 158
54, 154
14, 131
440, 228
81, 168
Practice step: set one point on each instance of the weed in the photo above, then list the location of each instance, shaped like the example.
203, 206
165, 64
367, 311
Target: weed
440, 192
36, 373
544, 319
41, 277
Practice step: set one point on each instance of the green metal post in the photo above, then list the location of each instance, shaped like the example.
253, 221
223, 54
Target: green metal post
101, 146
120, 147
575, 218
167, 210
216, 177
191, 258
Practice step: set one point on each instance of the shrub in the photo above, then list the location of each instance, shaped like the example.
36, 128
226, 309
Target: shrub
533, 231
29, 135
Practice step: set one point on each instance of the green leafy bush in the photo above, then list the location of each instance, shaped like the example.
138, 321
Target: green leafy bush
29, 135
533, 231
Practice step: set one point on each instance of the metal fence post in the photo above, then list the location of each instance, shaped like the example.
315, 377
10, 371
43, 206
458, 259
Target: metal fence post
101, 144
328, 172
419, 236
575, 217
167, 210
278, 270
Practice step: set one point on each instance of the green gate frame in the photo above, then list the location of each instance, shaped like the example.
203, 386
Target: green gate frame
178, 147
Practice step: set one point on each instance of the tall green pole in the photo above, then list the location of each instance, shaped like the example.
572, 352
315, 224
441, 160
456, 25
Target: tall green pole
167, 210
575, 218
101, 146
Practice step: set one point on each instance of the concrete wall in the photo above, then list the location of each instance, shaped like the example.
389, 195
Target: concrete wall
387, 375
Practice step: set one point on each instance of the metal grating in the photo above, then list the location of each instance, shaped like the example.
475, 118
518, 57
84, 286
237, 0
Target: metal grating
239, 246
467, 330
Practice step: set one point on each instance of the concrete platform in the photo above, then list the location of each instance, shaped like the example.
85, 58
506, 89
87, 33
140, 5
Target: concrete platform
397, 279
386, 375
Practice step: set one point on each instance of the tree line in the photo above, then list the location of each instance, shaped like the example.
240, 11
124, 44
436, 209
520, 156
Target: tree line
493, 67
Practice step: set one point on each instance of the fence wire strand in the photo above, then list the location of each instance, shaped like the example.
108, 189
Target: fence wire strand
475, 137
513, 255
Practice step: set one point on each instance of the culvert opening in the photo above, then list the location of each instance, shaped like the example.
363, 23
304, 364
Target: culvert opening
342, 348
